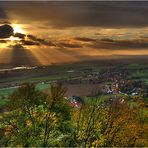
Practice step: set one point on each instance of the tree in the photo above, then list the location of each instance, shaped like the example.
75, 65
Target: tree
58, 105
110, 124
20, 120
36, 119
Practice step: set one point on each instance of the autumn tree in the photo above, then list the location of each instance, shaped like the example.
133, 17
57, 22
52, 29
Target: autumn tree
34, 118
110, 124
59, 106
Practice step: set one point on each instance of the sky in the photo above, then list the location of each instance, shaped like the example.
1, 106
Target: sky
45, 33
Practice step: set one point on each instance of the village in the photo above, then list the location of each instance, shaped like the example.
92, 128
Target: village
80, 83
102, 83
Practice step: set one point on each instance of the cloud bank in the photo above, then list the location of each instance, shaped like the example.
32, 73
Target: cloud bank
6, 31
73, 14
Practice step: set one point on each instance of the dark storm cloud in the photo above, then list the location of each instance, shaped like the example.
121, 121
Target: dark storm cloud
69, 45
6, 31
29, 43
41, 41
72, 14
3, 41
2, 14
84, 39
111, 44
20, 35
33, 40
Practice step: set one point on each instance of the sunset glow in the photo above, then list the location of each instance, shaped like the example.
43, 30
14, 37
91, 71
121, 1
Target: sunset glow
14, 38
18, 28
70, 35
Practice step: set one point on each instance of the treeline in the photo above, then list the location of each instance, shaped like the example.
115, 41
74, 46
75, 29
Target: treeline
33, 118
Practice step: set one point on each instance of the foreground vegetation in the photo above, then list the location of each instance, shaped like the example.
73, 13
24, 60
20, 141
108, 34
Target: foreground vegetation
33, 118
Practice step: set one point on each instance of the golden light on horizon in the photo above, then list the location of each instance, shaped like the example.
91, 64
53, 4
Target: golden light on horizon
18, 28
14, 38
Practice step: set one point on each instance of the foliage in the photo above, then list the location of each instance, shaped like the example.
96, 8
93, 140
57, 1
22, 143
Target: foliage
109, 125
33, 118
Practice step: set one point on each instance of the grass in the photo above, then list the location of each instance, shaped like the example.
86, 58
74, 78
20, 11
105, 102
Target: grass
3, 102
98, 99
139, 75
42, 86
8, 91
35, 79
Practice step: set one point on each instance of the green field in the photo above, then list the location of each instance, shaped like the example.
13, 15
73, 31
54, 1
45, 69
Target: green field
140, 75
8, 91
